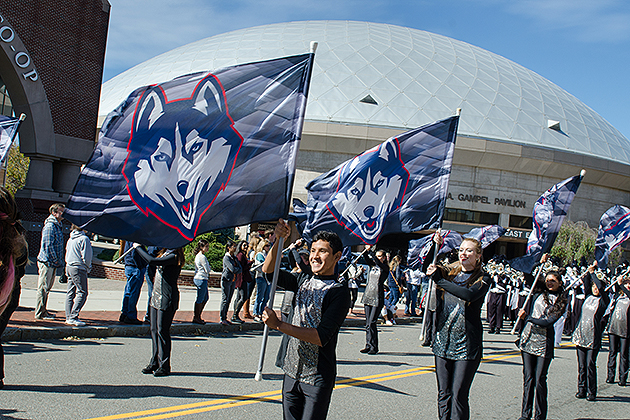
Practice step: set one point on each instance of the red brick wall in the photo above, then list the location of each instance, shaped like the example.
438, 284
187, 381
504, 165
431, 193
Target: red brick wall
66, 41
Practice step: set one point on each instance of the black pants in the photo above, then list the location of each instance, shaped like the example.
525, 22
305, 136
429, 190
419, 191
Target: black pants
587, 370
4, 320
371, 332
621, 345
161, 321
428, 334
535, 370
454, 378
354, 293
496, 303
243, 293
303, 401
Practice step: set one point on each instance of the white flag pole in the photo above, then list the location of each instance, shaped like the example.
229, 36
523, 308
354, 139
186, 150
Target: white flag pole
272, 293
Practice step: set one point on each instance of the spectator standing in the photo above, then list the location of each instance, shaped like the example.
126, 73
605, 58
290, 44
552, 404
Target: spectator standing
135, 268
13, 258
262, 287
202, 273
231, 268
244, 289
78, 265
415, 279
49, 259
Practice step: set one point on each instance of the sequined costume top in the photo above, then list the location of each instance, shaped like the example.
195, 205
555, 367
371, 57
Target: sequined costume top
322, 303
165, 294
588, 331
459, 333
374, 294
618, 324
537, 337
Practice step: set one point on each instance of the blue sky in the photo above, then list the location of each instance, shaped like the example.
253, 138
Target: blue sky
581, 45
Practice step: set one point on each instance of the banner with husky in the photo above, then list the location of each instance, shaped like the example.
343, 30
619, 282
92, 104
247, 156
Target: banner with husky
398, 186
201, 152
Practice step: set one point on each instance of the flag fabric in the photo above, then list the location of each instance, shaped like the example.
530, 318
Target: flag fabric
486, 234
614, 228
420, 248
8, 129
201, 152
549, 213
397, 186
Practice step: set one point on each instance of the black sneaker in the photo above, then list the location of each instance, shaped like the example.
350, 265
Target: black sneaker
161, 372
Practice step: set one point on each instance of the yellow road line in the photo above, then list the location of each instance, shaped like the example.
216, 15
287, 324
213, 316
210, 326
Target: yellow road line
238, 401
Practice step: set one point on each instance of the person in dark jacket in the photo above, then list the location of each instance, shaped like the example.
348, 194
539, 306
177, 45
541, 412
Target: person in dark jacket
245, 285
231, 268
164, 304
458, 339
537, 340
587, 335
374, 297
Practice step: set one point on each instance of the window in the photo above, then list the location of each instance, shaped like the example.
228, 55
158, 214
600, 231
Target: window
521, 222
470, 216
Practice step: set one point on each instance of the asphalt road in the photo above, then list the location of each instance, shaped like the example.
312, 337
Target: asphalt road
213, 378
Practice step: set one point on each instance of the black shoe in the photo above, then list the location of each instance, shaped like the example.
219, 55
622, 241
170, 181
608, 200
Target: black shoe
130, 321
237, 320
491, 331
590, 397
1, 383
161, 372
365, 350
610, 380
580, 395
622, 383
149, 369
122, 318
372, 352
497, 331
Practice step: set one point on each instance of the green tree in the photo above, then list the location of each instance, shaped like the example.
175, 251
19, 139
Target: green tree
17, 168
217, 240
576, 240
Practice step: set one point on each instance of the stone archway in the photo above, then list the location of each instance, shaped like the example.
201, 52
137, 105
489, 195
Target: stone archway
37, 137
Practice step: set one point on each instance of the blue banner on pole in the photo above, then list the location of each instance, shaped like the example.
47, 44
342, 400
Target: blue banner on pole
614, 228
8, 130
201, 152
549, 213
399, 186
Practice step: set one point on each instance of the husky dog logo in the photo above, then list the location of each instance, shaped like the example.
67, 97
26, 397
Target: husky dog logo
370, 187
181, 152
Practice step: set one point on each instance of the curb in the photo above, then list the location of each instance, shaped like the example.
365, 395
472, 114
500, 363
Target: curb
178, 329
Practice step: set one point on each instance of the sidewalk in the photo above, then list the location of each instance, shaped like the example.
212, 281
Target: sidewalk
102, 309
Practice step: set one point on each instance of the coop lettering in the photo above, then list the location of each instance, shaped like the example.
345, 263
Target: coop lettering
20, 58
473, 198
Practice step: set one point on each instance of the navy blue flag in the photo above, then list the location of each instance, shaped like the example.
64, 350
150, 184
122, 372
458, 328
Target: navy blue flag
8, 129
614, 228
549, 213
397, 186
486, 234
420, 248
201, 152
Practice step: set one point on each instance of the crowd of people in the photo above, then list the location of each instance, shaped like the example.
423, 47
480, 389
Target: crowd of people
321, 289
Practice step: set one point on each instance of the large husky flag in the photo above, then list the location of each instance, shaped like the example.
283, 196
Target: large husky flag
614, 228
549, 213
420, 248
201, 152
398, 186
8, 129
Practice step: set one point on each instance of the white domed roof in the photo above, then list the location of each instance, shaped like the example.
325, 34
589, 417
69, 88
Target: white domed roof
415, 77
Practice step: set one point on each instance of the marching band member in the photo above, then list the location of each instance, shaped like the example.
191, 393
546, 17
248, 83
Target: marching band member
587, 335
618, 333
458, 339
536, 342
496, 303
